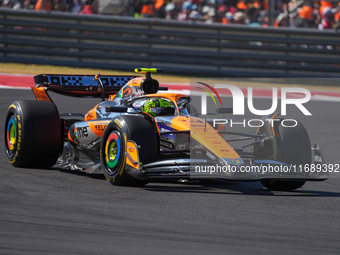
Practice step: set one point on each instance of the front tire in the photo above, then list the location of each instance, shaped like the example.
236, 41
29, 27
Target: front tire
139, 129
292, 147
32, 134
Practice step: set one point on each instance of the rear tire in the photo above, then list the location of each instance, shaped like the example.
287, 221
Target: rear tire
32, 134
113, 147
292, 147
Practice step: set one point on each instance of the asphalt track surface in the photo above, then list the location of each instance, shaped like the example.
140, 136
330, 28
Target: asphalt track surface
54, 211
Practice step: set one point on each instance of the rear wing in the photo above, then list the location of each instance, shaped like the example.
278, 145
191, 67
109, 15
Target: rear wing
78, 85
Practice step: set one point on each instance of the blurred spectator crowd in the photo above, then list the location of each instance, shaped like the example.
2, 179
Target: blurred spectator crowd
76, 6
294, 13
285, 13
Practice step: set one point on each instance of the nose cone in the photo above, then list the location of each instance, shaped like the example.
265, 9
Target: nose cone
203, 133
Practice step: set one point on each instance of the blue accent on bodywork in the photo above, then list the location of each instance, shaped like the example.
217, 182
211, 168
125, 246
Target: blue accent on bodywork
79, 80
165, 128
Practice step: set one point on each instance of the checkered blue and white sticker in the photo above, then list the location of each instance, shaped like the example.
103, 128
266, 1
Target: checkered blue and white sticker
73, 80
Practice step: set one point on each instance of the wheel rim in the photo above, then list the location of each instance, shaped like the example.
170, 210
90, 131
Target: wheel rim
11, 135
112, 152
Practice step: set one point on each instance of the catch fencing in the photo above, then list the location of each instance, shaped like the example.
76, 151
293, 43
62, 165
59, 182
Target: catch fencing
189, 48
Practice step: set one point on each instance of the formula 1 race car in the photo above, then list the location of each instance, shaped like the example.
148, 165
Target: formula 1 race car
138, 135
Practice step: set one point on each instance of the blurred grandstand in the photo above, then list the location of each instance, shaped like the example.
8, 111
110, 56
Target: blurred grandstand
278, 13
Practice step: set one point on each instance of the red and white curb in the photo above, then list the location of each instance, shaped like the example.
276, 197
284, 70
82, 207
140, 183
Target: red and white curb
16, 81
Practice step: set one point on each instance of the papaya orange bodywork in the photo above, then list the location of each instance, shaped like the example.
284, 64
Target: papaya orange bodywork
91, 114
206, 135
98, 126
112, 97
132, 158
40, 94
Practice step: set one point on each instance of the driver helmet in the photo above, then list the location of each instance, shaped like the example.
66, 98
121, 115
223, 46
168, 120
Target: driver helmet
158, 107
130, 91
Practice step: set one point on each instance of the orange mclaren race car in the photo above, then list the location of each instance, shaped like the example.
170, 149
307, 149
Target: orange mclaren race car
139, 134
